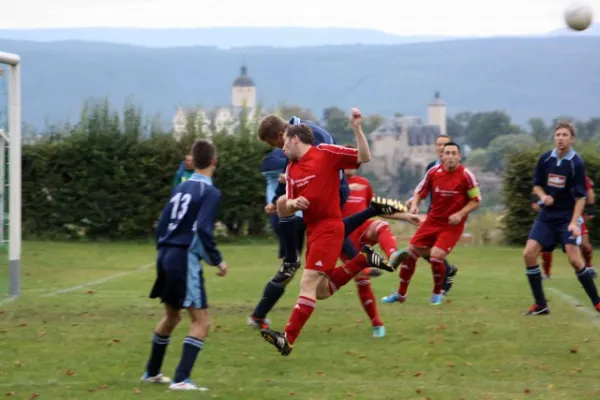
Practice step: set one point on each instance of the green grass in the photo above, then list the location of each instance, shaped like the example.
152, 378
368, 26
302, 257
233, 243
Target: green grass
93, 342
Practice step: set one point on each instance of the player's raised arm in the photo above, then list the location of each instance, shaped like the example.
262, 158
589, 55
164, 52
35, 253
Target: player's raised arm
362, 145
205, 226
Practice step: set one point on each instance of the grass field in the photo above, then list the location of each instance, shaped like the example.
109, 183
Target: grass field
67, 337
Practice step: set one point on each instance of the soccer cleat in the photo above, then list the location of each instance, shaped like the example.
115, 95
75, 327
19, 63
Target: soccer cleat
449, 279
387, 206
394, 297
375, 260
160, 378
536, 310
372, 272
258, 323
379, 331
186, 385
398, 257
278, 340
437, 299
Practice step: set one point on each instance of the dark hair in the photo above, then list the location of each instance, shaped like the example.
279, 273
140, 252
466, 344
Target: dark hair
203, 153
303, 131
452, 144
270, 127
565, 124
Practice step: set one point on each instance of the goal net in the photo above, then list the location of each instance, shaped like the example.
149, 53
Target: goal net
10, 176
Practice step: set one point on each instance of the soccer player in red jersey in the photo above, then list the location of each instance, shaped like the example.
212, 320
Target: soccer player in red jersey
371, 232
586, 245
313, 187
455, 194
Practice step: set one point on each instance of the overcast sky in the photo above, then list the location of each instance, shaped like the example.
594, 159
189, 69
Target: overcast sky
413, 17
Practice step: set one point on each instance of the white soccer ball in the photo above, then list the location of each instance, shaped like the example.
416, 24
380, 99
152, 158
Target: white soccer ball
579, 16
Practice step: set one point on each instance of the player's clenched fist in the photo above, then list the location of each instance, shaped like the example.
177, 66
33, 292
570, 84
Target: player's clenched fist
355, 118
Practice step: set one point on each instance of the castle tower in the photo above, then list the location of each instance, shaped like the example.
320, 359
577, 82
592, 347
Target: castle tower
243, 92
437, 112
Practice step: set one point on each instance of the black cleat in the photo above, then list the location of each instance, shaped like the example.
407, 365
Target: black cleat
278, 340
537, 310
374, 273
449, 279
387, 206
375, 260
289, 268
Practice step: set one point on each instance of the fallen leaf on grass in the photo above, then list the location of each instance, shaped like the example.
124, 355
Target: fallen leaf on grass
468, 363
22, 325
526, 391
42, 333
70, 372
451, 365
550, 386
136, 391
292, 393
573, 350
90, 292
442, 326
18, 364
34, 396
475, 332
321, 373
114, 341
329, 329
103, 386
419, 373
11, 394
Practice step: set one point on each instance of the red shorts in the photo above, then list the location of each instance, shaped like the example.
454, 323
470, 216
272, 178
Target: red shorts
323, 245
432, 234
584, 229
359, 236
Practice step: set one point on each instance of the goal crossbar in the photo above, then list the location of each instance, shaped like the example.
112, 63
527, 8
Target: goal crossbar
14, 161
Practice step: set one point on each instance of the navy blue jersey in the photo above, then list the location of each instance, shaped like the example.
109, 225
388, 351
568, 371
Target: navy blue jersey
189, 218
563, 179
321, 137
429, 166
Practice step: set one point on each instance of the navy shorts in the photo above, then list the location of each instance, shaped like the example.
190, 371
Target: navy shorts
179, 279
549, 233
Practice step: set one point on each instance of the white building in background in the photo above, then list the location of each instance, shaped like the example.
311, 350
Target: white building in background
243, 94
408, 137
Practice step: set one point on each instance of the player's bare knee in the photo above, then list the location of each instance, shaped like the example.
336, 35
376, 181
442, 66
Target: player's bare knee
171, 319
200, 322
531, 252
310, 283
438, 253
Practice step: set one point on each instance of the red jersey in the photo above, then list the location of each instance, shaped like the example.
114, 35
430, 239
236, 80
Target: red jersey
360, 196
316, 176
451, 191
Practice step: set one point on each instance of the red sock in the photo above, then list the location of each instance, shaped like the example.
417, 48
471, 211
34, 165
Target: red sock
587, 255
386, 239
547, 262
300, 314
344, 274
367, 299
407, 270
438, 269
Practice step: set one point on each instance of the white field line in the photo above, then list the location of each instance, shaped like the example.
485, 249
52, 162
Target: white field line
592, 315
97, 282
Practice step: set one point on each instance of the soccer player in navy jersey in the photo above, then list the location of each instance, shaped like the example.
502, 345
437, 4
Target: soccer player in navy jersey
559, 183
185, 239
271, 130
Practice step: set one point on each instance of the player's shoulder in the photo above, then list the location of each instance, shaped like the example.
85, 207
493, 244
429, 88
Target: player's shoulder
545, 156
321, 135
431, 165
577, 157
334, 148
468, 173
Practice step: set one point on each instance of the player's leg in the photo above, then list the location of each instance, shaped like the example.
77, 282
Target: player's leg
378, 206
421, 242
197, 306
547, 263
585, 275
446, 240
586, 246
301, 312
541, 236
288, 230
379, 232
169, 287
275, 288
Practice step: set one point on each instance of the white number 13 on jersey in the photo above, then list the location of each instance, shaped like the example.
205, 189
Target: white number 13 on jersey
180, 201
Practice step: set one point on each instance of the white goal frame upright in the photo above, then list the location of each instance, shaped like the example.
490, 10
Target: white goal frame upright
13, 140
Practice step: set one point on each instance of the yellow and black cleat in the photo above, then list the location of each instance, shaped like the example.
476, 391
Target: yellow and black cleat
386, 206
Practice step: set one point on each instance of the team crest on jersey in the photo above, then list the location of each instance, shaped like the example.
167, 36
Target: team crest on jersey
557, 181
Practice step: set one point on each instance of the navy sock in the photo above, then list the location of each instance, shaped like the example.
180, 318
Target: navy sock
534, 274
352, 222
587, 281
270, 297
289, 233
348, 249
191, 348
159, 347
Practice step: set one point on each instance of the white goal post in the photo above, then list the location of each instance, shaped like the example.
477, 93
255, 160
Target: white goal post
13, 140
